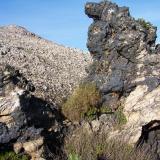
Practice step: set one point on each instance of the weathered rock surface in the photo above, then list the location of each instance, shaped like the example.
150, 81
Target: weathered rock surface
54, 69
126, 68
149, 139
126, 65
27, 124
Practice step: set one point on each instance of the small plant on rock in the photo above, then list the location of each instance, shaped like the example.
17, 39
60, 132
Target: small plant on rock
84, 99
12, 156
143, 23
73, 156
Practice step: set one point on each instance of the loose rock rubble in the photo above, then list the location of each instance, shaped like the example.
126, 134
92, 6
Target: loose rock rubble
54, 69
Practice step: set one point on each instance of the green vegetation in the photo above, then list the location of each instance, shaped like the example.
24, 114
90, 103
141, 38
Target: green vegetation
146, 25
90, 146
105, 110
120, 117
12, 156
93, 112
73, 156
83, 101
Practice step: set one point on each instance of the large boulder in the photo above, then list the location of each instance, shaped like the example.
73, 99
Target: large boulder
27, 124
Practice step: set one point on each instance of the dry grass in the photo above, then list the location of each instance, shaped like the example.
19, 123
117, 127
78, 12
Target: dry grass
84, 99
120, 118
95, 147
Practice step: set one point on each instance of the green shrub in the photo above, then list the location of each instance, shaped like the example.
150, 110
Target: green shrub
94, 112
12, 156
105, 110
90, 146
120, 117
143, 23
91, 114
73, 156
84, 99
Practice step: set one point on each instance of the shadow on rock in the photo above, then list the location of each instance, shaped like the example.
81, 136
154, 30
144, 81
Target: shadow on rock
46, 117
28, 124
149, 139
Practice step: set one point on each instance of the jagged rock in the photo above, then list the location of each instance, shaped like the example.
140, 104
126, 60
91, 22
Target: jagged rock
126, 64
111, 100
126, 68
53, 69
149, 139
140, 108
101, 125
18, 147
27, 123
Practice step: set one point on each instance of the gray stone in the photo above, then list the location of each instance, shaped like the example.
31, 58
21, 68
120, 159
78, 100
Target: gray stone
25, 120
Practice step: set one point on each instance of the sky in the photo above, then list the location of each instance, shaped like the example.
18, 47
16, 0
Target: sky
64, 21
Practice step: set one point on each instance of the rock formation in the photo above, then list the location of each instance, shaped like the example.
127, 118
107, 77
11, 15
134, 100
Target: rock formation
27, 124
126, 66
36, 75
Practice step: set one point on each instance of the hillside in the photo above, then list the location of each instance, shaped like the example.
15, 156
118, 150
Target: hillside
53, 69
58, 103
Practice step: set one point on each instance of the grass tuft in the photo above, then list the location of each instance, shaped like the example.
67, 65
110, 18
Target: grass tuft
91, 146
12, 156
144, 24
120, 117
83, 101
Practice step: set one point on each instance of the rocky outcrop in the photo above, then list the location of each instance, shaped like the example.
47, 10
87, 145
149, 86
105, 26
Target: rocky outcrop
126, 65
149, 139
53, 69
27, 124
126, 69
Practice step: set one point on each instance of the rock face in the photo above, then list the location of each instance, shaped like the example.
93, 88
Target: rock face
126, 69
149, 139
126, 65
27, 124
54, 69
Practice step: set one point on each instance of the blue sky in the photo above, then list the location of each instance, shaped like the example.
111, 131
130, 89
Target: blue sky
64, 21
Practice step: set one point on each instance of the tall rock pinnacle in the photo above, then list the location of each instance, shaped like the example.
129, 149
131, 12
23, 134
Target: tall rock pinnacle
126, 68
